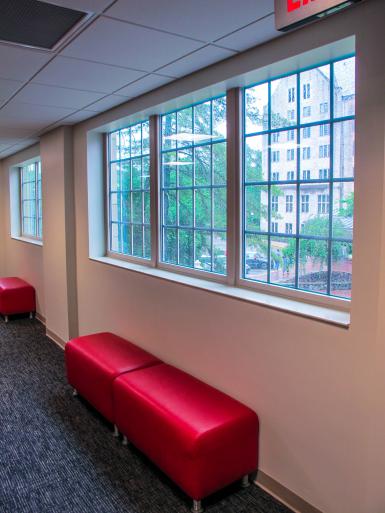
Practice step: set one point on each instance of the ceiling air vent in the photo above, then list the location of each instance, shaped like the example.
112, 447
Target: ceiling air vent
37, 24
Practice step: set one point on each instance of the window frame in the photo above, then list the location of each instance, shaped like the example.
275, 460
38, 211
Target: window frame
36, 238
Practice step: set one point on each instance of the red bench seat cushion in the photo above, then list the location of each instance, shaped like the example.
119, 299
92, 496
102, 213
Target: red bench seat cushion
94, 361
202, 438
16, 296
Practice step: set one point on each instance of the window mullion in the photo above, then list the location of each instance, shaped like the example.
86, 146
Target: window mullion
155, 215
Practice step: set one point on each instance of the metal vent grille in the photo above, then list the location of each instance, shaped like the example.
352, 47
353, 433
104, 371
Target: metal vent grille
35, 23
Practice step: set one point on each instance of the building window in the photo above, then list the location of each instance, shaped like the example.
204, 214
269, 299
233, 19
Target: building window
274, 203
290, 175
275, 176
323, 203
318, 249
324, 107
305, 204
324, 130
291, 95
324, 151
291, 114
31, 200
324, 174
129, 191
193, 187
275, 156
275, 137
289, 203
290, 154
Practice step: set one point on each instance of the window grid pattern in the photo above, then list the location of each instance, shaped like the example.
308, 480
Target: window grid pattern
129, 191
193, 187
31, 200
313, 256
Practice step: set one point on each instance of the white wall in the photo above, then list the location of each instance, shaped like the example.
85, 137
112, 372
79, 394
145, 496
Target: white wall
319, 390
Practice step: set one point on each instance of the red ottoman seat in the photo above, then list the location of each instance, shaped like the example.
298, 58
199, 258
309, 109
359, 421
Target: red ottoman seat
94, 361
200, 437
16, 296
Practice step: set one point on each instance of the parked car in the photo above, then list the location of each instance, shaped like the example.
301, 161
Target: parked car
256, 262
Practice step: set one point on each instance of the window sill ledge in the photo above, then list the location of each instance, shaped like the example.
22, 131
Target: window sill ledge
29, 241
319, 313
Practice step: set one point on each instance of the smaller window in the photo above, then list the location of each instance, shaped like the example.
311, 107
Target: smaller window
306, 132
324, 151
291, 94
275, 156
306, 174
274, 227
324, 107
291, 115
307, 111
304, 203
291, 135
324, 174
31, 200
306, 153
306, 91
289, 203
275, 176
290, 154
274, 203
324, 130
290, 175
289, 228
323, 203
275, 137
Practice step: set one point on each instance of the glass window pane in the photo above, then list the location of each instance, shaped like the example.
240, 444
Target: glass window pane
313, 265
344, 149
186, 211
137, 240
282, 261
203, 250
220, 207
284, 104
185, 168
186, 247
255, 257
256, 208
314, 209
343, 205
170, 245
169, 207
256, 158
256, 101
315, 94
219, 163
203, 165
344, 88
341, 276
219, 249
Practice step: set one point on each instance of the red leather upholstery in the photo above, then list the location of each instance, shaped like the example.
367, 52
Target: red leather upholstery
202, 438
16, 296
94, 361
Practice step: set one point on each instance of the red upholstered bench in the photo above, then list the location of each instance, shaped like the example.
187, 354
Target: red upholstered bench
16, 296
94, 361
200, 437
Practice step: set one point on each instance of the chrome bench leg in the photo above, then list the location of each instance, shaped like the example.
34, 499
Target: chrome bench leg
197, 507
6, 318
125, 440
116, 431
75, 392
31, 315
245, 481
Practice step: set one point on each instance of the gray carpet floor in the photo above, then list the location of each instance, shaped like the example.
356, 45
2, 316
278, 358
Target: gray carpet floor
57, 455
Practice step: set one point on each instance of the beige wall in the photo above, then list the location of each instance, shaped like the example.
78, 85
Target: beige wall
319, 390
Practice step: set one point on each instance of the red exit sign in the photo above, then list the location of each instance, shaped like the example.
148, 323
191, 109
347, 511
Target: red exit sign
292, 13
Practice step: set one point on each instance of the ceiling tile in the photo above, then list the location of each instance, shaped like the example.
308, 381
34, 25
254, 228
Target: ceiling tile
7, 88
20, 63
89, 76
197, 60
144, 85
78, 117
253, 35
95, 6
56, 96
18, 147
9, 134
107, 103
200, 19
114, 42
30, 117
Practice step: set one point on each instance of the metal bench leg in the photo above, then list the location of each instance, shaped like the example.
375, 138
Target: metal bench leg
6, 318
245, 481
31, 315
197, 507
125, 440
116, 431
75, 392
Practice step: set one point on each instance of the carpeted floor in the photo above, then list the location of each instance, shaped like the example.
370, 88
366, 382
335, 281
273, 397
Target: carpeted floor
57, 455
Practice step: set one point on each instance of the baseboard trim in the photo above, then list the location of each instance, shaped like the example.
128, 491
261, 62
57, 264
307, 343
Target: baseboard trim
55, 338
283, 494
40, 318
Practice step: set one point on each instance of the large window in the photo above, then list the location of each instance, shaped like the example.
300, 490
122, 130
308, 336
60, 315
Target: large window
193, 217
129, 191
308, 245
31, 200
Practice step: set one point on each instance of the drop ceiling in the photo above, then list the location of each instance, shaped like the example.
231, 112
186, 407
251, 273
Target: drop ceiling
125, 49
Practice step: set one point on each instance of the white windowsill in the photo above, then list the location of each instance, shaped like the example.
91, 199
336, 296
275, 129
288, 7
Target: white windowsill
319, 313
29, 241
